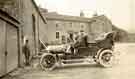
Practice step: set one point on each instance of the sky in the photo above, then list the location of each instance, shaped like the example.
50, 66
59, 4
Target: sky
120, 12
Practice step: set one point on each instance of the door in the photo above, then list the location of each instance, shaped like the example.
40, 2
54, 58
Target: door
2, 48
11, 47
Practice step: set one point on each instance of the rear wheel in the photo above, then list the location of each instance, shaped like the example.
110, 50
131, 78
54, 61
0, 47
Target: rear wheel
48, 62
106, 58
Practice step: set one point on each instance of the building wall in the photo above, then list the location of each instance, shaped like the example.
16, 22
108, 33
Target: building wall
19, 13
10, 36
63, 27
130, 38
9, 43
98, 25
42, 30
30, 19
2, 47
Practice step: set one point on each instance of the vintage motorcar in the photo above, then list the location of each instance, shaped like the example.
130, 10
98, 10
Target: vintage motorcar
101, 51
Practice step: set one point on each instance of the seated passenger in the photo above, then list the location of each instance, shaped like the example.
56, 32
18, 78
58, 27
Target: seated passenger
70, 42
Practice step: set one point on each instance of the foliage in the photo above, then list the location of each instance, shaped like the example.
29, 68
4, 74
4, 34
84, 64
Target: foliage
121, 35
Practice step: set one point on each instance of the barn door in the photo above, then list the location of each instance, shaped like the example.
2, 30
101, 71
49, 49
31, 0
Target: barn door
11, 47
2, 48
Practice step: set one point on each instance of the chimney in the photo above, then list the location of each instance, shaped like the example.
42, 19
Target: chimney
95, 14
81, 14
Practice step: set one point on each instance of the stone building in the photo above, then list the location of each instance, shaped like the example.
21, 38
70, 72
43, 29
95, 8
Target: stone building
58, 26
9, 43
19, 20
131, 37
99, 24
33, 22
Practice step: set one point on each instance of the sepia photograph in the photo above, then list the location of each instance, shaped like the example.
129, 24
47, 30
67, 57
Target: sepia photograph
67, 39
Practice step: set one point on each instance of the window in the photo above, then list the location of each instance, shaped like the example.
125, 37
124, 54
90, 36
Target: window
57, 35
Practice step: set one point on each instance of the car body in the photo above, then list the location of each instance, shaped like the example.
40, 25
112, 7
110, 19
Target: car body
101, 51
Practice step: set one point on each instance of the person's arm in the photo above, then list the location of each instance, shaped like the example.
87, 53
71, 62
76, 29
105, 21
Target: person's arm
76, 38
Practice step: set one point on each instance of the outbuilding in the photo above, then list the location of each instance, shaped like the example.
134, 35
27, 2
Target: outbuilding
9, 43
19, 20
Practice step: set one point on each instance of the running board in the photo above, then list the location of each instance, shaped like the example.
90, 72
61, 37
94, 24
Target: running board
77, 60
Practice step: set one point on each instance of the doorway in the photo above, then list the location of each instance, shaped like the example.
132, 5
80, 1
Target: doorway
11, 47
8, 47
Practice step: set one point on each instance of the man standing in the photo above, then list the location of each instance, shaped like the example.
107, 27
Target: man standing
26, 51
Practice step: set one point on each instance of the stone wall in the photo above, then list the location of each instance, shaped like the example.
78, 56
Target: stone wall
64, 27
100, 24
31, 18
96, 26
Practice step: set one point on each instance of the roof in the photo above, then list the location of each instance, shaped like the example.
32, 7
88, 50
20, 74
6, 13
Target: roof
55, 16
43, 18
101, 17
5, 14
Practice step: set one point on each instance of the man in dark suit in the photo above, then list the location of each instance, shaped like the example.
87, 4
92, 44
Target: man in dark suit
26, 51
81, 41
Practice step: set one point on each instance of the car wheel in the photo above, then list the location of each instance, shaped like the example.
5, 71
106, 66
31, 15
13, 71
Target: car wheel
48, 62
106, 58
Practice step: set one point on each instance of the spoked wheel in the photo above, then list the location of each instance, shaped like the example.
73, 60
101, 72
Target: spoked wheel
48, 62
106, 58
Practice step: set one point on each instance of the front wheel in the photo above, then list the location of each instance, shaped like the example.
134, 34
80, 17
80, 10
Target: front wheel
106, 58
48, 61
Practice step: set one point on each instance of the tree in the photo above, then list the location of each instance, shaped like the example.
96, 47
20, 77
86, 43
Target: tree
121, 35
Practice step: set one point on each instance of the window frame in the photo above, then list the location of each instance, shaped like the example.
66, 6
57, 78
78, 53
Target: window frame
57, 35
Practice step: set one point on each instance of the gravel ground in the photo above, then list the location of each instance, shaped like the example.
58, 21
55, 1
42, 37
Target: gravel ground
124, 70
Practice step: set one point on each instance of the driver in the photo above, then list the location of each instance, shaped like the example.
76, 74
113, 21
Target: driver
81, 41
